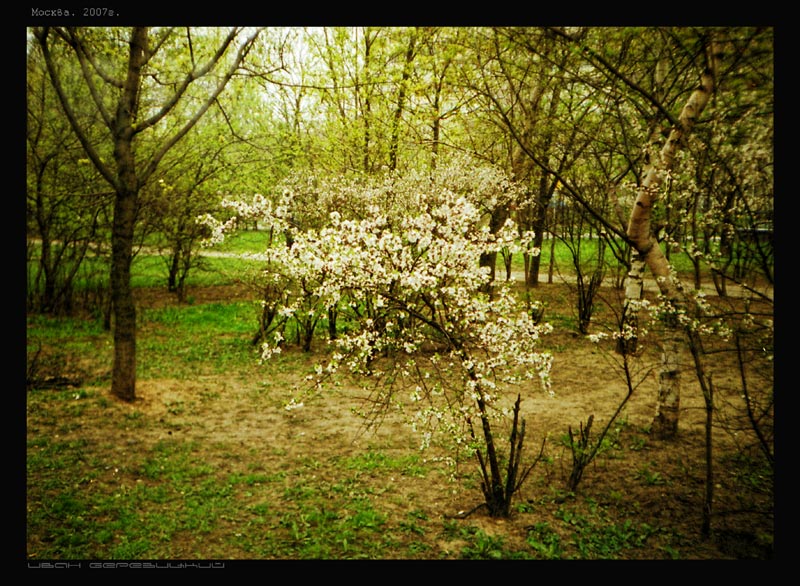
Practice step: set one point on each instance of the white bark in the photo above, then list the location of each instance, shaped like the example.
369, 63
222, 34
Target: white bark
647, 248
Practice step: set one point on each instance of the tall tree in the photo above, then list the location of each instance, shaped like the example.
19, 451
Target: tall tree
132, 96
537, 95
649, 252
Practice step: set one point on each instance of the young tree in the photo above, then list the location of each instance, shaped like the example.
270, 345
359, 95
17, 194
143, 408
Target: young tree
170, 206
522, 78
134, 94
666, 135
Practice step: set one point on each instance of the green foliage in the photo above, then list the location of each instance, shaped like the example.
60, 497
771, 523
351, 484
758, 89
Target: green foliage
379, 462
248, 242
213, 337
651, 477
83, 505
64, 330
545, 542
97, 511
484, 547
593, 537
561, 256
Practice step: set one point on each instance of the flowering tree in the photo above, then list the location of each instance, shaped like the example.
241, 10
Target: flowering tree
421, 329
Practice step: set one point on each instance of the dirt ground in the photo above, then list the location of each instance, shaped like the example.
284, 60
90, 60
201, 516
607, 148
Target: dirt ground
657, 482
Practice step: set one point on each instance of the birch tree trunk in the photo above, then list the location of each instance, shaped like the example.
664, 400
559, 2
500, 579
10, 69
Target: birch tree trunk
647, 249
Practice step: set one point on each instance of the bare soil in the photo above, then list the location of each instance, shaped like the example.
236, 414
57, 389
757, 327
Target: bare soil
657, 482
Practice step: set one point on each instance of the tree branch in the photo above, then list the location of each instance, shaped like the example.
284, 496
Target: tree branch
190, 78
240, 56
41, 34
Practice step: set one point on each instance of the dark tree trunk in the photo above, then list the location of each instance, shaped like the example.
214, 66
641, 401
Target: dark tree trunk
174, 267
489, 259
538, 240
546, 190
123, 379
398, 113
123, 382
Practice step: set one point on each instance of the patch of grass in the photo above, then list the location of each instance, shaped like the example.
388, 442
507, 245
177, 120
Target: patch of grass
183, 340
562, 257
650, 477
104, 483
148, 271
753, 474
412, 524
377, 461
322, 524
46, 327
105, 512
250, 479
613, 540
478, 544
483, 547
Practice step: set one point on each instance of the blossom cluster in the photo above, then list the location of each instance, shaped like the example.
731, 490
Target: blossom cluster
403, 268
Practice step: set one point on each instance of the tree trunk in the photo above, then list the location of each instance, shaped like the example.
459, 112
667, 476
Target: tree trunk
665, 424
665, 421
367, 101
123, 378
497, 220
547, 188
174, 269
126, 181
398, 114
634, 292
538, 239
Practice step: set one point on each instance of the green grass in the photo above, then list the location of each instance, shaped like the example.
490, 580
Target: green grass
114, 497
102, 511
151, 270
96, 510
252, 241
594, 536
62, 329
246, 241
175, 341
564, 262
148, 270
213, 338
